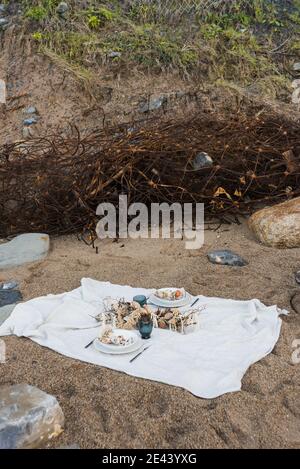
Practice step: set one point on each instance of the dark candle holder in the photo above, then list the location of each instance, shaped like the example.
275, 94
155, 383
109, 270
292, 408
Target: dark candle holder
145, 326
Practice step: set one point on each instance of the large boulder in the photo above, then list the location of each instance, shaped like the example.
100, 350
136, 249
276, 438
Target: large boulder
29, 417
278, 226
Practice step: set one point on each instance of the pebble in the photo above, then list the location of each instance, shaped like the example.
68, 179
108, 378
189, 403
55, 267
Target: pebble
114, 55
297, 276
3, 23
62, 8
226, 257
153, 104
9, 285
296, 67
2, 8
30, 121
24, 248
29, 417
202, 160
30, 110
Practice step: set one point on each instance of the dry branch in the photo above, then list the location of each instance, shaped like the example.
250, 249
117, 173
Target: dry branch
54, 184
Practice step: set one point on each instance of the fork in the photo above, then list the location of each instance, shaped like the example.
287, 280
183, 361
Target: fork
140, 353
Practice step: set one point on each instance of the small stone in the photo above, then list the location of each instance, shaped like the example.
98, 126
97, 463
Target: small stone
154, 104
30, 121
29, 417
62, 8
9, 285
295, 302
114, 55
3, 23
297, 277
6, 311
24, 248
296, 67
226, 257
8, 297
2, 8
202, 160
30, 110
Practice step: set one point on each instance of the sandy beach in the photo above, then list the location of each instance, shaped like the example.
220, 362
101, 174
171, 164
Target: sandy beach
108, 409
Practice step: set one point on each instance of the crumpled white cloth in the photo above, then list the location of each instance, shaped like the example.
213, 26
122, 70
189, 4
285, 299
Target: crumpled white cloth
232, 335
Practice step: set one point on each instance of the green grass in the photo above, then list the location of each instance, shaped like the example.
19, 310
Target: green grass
232, 46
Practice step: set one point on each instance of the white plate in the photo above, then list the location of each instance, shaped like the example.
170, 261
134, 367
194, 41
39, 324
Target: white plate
117, 349
125, 333
186, 300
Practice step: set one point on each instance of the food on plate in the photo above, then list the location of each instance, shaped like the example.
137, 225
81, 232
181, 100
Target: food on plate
109, 337
170, 294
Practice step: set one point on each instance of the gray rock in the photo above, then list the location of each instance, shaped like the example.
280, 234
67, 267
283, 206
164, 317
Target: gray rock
226, 257
202, 160
28, 417
297, 276
9, 285
5, 312
296, 67
30, 121
28, 247
9, 297
30, 110
3, 23
2, 8
154, 104
114, 55
62, 8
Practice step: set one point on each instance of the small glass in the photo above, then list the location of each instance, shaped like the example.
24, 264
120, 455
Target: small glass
145, 326
140, 299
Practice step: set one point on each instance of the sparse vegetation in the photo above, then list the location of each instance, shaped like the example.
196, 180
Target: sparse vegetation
238, 41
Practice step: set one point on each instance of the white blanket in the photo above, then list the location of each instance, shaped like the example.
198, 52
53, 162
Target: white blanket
209, 362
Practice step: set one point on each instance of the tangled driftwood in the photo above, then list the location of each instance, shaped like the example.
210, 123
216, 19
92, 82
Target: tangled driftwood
54, 184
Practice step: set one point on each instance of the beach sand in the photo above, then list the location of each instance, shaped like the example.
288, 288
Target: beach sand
108, 409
